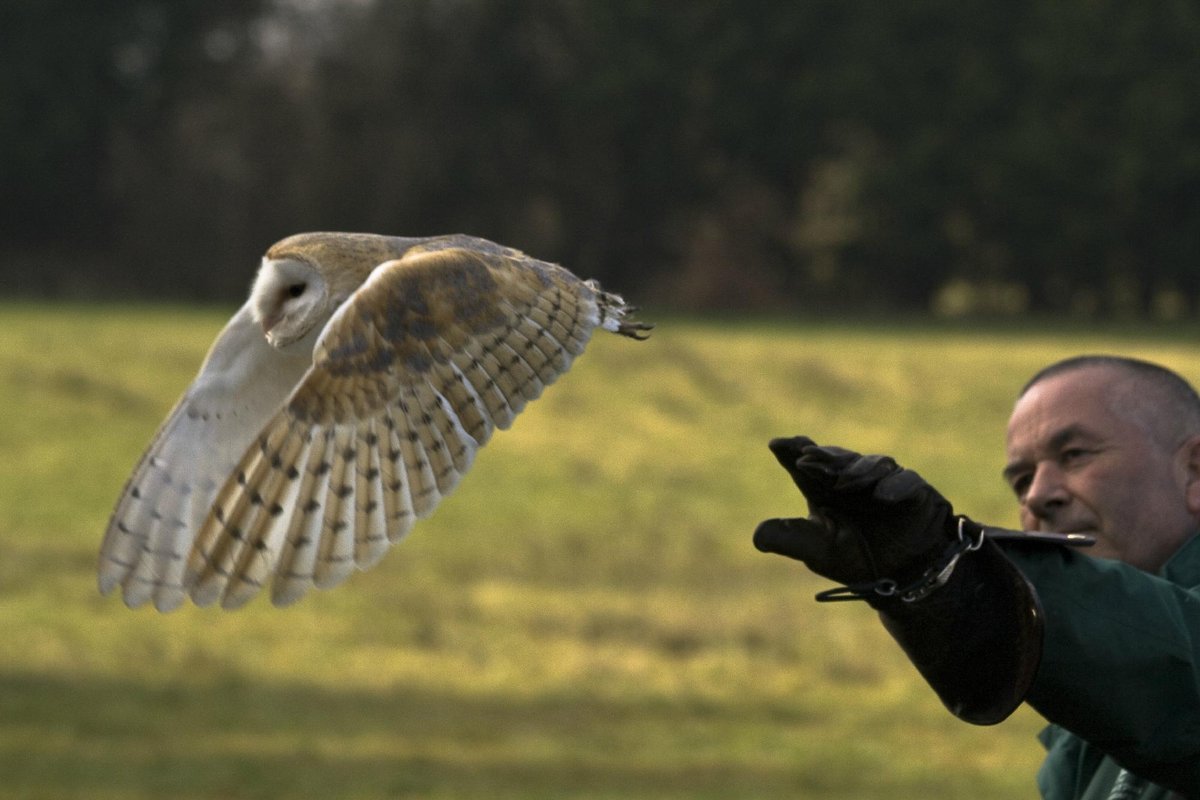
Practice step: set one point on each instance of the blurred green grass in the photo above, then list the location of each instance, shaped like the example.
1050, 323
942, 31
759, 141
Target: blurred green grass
584, 618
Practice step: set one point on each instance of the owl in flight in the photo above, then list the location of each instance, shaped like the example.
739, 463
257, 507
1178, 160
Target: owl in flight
338, 406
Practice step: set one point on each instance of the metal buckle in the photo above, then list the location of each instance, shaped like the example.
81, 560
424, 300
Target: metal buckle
929, 582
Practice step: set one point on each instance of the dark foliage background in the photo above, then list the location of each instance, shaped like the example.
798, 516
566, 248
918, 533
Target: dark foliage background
964, 156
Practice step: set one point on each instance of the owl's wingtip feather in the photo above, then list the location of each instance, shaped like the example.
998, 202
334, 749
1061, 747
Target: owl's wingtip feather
234, 599
138, 591
107, 581
206, 593
166, 602
287, 593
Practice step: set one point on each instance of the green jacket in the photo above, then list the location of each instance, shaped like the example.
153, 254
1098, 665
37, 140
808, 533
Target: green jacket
1120, 674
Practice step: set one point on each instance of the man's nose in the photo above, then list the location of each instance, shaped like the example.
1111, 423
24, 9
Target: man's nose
1047, 494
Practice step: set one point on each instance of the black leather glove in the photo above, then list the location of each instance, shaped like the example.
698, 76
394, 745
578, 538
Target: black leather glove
964, 615
872, 522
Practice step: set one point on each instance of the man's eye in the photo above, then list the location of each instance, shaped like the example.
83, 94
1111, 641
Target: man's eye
1073, 454
1020, 485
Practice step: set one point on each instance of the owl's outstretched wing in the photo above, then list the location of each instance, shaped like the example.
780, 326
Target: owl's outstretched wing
410, 377
241, 385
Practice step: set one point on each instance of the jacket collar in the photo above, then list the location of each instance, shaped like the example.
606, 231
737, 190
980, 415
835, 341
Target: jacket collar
1183, 568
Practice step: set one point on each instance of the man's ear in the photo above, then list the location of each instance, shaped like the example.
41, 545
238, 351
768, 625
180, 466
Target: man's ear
1189, 454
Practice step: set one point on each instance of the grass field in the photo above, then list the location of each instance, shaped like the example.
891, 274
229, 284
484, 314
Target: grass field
584, 618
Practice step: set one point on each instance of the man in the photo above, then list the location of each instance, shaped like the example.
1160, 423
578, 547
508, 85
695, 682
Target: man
1105, 645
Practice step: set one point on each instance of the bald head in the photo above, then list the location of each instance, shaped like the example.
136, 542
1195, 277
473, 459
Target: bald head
1158, 400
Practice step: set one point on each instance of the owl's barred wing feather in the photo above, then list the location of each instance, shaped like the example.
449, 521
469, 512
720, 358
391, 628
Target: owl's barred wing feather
410, 377
240, 386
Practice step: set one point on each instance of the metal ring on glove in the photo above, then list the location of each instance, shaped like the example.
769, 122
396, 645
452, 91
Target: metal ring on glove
930, 580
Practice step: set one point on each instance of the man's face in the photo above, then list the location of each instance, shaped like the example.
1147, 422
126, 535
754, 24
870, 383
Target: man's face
1077, 464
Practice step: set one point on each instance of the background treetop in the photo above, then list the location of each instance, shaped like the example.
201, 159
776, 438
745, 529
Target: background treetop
818, 155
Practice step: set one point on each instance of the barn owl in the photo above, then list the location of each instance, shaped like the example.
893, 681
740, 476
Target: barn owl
339, 405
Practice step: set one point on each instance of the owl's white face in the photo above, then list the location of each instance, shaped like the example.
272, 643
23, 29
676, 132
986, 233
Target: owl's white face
289, 299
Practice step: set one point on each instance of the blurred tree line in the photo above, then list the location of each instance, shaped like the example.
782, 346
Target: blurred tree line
964, 155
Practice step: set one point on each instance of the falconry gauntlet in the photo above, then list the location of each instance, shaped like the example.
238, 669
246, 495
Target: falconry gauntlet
966, 617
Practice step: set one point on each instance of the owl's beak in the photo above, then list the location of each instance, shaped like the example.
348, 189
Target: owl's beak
268, 329
270, 322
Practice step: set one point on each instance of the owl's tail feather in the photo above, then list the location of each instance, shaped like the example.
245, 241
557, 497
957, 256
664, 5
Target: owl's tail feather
616, 315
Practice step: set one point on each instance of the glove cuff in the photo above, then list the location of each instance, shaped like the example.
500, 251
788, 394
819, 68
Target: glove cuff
977, 638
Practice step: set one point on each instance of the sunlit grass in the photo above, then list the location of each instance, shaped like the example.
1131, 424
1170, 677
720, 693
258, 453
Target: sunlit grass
584, 617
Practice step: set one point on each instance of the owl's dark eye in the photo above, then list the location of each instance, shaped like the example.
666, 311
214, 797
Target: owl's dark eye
296, 289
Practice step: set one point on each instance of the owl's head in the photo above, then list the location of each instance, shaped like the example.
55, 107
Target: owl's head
289, 299
305, 277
